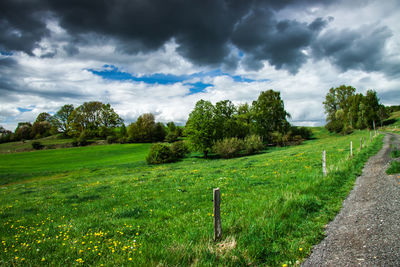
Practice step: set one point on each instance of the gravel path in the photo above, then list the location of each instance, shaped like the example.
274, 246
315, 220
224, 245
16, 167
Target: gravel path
366, 232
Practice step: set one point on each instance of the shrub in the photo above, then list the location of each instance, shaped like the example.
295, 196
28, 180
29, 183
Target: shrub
179, 149
160, 153
111, 139
252, 144
123, 140
37, 145
228, 147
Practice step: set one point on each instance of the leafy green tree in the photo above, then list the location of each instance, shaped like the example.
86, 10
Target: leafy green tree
225, 120
338, 99
244, 120
23, 131
95, 118
173, 132
62, 119
200, 127
142, 130
159, 132
269, 114
371, 103
42, 125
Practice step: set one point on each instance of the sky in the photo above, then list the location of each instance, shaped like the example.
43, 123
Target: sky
162, 56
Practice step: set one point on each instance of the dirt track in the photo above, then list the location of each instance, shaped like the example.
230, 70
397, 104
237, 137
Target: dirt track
366, 232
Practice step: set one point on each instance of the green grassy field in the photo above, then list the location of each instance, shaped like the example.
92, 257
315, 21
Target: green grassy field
20, 166
103, 205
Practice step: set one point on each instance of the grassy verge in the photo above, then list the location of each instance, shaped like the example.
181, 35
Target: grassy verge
393, 168
274, 208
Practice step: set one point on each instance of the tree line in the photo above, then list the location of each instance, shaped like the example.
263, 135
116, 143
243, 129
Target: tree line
347, 110
92, 120
224, 124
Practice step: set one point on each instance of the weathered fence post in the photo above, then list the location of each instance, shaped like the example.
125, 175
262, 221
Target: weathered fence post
351, 148
324, 162
217, 215
370, 135
360, 143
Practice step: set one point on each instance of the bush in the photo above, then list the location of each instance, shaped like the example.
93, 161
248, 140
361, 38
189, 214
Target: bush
123, 140
179, 149
252, 144
160, 153
228, 147
37, 145
111, 139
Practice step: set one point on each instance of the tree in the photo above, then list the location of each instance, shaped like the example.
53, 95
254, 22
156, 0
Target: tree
269, 114
338, 99
62, 119
371, 103
225, 120
200, 127
173, 132
95, 118
244, 120
42, 125
5, 135
23, 131
159, 133
142, 130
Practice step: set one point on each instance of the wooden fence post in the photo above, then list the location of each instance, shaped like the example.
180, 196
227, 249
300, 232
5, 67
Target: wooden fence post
351, 148
324, 162
374, 129
360, 143
217, 215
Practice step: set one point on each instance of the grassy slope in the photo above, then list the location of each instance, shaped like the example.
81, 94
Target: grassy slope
274, 207
19, 166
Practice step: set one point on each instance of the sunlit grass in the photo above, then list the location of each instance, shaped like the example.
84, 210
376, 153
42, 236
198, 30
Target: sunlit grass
94, 207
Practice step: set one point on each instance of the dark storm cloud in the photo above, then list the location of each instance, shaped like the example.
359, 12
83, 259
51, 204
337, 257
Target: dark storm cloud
262, 37
22, 25
204, 30
362, 49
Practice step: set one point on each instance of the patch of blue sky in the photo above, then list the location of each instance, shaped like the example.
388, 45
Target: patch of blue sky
111, 72
24, 109
6, 53
198, 87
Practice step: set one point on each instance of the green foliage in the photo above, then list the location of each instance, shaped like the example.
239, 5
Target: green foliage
95, 118
62, 119
394, 167
228, 147
395, 153
37, 145
83, 139
252, 144
347, 111
146, 130
160, 153
200, 127
179, 149
173, 132
111, 139
269, 114
23, 131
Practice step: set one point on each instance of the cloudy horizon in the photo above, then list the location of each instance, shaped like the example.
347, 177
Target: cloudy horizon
163, 56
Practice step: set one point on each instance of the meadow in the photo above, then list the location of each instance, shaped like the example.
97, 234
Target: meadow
104, 206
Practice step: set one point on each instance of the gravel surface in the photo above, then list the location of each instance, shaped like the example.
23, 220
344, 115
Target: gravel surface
366, 232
